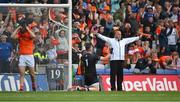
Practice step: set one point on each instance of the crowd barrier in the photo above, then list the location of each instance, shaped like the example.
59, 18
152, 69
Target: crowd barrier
163, 80
48, 77
144, 83
10, 82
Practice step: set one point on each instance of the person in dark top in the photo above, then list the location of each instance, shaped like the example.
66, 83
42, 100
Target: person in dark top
141, 63
76, 53
89, 60
100, 43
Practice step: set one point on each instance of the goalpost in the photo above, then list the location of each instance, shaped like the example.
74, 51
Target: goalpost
69, 6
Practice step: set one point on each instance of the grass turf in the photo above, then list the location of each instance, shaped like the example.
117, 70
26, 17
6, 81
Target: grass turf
89, 96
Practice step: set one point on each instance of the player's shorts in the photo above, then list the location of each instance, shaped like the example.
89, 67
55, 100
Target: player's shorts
26, 60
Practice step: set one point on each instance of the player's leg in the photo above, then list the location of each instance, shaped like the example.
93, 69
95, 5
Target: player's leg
33, 77
22, 66
120, 66
94, 87
31, 64
22, 75
113, 75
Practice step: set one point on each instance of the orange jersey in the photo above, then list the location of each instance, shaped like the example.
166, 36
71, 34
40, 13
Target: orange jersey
158, 30
26, 44
105, 52
163, 59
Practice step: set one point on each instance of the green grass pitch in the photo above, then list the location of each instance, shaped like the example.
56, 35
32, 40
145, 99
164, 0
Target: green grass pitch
80, 96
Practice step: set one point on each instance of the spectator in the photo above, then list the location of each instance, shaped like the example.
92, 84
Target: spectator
100, 43
75, 28
5, 54
75, 39
141, 63
51, 54
163, 41
178, 46
106, 53
76, 54
165, 62
149, 36
86, 37
175, 60
147, 49
109, 25
131, 57
120, 13
93, 16
138, 47
149, 13
172, 36
153, 62
126, 30
41, 56
38, 40
63, 47
166, 9
174, 14
134, 24
163, 52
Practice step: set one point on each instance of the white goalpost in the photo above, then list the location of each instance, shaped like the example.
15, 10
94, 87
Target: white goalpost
69, 6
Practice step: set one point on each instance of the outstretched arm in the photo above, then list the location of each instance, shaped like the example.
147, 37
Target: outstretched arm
132, 39
58, 23
103, 38
108, 40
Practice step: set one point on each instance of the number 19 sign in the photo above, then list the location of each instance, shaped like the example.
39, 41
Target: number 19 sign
55, 73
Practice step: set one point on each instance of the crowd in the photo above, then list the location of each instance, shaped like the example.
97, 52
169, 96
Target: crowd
157, 20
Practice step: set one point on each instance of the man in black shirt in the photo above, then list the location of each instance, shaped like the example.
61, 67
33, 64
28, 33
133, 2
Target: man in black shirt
89, 60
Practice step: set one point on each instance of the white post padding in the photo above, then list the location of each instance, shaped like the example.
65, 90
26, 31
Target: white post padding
70, 44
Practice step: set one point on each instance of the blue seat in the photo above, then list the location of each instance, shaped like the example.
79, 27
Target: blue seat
178, 71
106, 71
160, 71
145, 71
127, 71
170, 71
100, 71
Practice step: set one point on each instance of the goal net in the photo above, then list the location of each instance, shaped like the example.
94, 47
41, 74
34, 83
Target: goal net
51, 23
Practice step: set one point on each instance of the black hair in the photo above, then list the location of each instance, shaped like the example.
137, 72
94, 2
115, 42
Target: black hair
88, 46
120, 3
